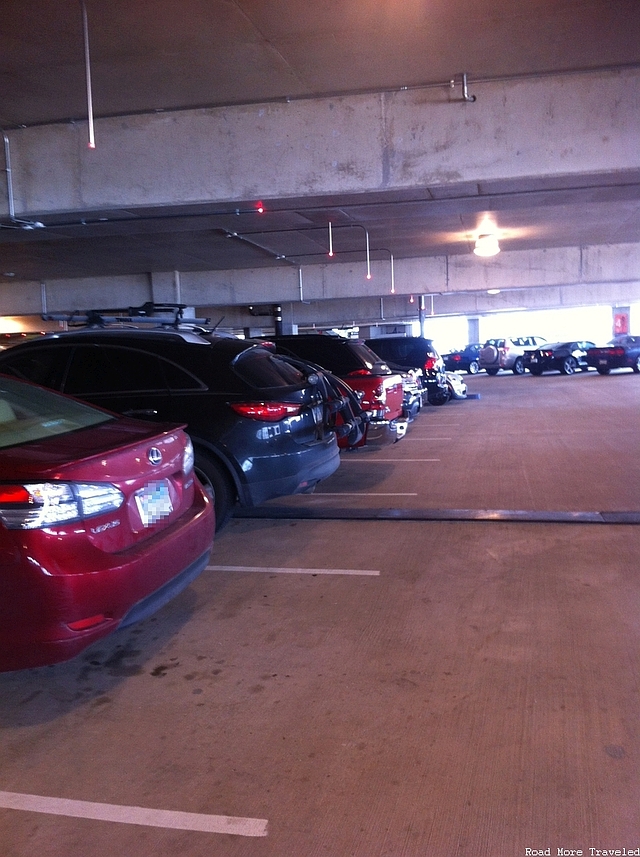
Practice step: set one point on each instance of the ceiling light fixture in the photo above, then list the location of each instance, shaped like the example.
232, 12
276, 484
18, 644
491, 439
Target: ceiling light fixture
487, 245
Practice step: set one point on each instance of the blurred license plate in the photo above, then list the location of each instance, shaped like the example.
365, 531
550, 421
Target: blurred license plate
602, 362
153, 502
318, 413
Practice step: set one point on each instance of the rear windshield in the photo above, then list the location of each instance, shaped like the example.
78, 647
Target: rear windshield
337, 355
260, 368
29, 413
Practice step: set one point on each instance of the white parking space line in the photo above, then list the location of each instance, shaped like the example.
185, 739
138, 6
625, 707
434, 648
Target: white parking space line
354, 571
135, 815
427, 438
363, 494
385, 460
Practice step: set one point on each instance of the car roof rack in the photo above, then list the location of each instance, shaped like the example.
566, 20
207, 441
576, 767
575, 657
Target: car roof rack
158, 314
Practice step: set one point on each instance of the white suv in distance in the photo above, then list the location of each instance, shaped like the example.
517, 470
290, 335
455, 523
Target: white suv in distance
508, 353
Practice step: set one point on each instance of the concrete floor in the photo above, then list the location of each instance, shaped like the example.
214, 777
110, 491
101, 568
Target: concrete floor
376, 688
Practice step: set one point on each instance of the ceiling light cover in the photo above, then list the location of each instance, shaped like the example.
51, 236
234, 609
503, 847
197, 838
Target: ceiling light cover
486, 245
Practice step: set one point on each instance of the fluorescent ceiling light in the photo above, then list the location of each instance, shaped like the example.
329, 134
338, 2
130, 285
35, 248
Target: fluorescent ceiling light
486, 245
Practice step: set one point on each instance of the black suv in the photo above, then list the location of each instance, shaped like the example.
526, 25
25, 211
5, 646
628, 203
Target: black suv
258, 422
416, 355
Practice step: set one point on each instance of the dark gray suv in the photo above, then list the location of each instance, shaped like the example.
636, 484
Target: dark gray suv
416, 355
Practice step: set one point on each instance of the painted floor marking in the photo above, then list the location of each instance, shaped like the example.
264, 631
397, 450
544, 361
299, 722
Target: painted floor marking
354, 571
386, 460
426, 438
361, 494
135, 815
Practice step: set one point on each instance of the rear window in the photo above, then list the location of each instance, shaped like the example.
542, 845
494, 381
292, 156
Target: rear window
406, 351
30, 413
44, 365
264, 370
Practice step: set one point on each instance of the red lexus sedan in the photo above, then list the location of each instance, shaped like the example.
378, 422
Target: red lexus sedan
102, 521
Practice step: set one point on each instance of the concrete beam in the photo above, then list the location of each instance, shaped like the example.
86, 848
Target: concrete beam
332, 294
546, 127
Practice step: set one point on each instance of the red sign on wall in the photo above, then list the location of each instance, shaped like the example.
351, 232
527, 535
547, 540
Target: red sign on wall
620, 323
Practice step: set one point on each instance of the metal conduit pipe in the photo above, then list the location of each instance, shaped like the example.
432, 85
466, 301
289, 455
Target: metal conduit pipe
7, 169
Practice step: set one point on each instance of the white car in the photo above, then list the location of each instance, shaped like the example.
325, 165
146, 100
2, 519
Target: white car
456, 385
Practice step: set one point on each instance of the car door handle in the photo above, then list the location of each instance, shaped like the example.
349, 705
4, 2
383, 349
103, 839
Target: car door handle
143, 412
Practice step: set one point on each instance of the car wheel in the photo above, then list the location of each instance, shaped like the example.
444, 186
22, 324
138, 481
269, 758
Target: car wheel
536, 371
518, 366
636, 365
474, 367
439, 397
603, 370
217, 485
492, 371
568, 366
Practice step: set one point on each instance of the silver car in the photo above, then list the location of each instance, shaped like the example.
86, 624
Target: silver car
508, 353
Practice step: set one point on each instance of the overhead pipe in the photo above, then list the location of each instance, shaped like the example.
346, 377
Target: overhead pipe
15, 222
7, 162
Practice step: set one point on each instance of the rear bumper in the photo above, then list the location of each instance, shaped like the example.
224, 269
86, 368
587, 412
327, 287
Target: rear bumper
49, 617
385, 432
292, 473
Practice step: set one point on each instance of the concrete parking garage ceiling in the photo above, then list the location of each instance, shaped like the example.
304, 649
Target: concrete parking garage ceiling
161, 55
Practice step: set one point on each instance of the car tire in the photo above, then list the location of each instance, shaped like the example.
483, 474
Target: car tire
492, 371
537, 371
636, 366
603, 370
474, 367
440, 397
568, 366
518, 366
217, 485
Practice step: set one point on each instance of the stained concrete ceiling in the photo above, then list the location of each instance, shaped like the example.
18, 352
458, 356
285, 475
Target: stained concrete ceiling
151, 55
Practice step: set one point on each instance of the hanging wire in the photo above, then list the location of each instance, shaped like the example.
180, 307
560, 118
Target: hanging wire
366, 231
87, 64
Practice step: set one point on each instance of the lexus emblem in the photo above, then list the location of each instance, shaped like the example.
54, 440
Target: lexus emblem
154, 455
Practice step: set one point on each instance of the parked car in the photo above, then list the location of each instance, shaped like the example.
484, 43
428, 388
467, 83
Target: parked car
417, 355
344, 413
257, 422
507, 353
622, 352
457, 387
466, 359
412, 395
564, 357
379, 388
101, 522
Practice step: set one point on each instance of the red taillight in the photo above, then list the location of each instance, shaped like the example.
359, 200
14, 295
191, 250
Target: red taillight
358, 372
12, 494
430, 363
379, 394
456, 358
267, 411
618, 352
